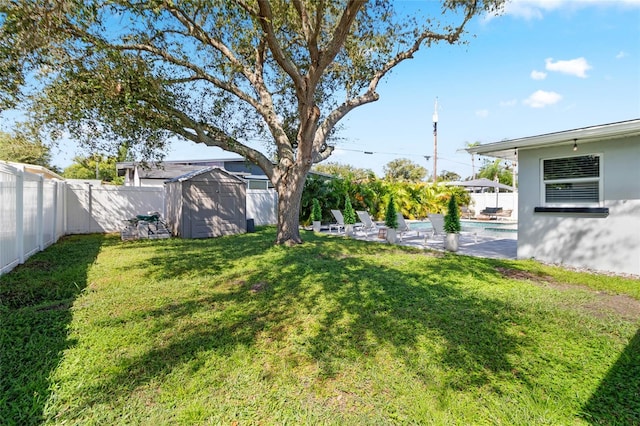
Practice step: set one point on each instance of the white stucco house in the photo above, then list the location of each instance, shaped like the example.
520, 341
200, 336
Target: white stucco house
579, 195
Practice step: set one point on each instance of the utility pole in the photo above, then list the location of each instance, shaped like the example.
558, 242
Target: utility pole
435, 142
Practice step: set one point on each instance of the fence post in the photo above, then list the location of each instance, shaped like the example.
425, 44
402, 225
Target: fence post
20, 215
54, 228
40, 213
90, 206
65, 210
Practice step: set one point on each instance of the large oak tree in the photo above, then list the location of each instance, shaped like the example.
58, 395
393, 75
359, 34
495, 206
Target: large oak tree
223, 73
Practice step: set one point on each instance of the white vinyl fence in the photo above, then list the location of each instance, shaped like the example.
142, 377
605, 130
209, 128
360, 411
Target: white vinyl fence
35, 212
32, 213
262, 206
101, 209
506, 200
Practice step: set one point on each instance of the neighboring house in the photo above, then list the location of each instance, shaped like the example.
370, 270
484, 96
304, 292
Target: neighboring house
579, 195
156, 174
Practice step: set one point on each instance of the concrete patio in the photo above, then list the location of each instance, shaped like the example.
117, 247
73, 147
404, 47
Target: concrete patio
477, 245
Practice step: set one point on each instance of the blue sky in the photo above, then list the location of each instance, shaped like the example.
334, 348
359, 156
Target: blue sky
543, 66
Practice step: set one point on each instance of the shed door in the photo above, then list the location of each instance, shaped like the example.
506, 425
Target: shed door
217, 209
231, 209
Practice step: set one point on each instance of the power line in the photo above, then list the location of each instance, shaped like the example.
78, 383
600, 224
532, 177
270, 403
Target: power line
401, 154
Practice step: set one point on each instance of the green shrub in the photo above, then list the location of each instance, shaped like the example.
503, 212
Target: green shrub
349, 214
316, 211
391, 217
452, 218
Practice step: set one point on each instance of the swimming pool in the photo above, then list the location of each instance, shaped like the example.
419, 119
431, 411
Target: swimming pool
481, 227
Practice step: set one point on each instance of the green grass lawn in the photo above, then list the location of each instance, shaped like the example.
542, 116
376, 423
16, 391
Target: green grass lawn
334, 331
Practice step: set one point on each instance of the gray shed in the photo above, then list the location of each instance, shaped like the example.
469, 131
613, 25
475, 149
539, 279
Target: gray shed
205, 203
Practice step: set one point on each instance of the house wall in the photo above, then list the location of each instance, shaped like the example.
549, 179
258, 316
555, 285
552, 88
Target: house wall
610, 243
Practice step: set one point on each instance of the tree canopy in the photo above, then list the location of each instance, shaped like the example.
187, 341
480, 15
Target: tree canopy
93, 167
448, 176
345, 171
20, 149
266, 79
404, 170
496, 168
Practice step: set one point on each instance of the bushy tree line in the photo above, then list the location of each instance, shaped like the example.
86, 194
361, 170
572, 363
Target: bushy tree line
413, 199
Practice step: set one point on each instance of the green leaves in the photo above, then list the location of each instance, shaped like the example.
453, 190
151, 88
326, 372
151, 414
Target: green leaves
349, 214
390, 216
20, 149
452, 218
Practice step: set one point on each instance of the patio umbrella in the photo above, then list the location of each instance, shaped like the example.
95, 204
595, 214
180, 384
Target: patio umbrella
483, 183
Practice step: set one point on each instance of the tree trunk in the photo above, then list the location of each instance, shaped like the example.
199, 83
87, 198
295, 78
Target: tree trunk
289, 189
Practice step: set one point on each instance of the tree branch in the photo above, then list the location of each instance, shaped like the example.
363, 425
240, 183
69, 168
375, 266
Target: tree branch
266, 22
214, 136
371, 95
340, 34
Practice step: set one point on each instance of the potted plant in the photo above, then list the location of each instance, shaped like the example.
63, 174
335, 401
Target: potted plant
391, 221
316, 215
349, 217
452, 225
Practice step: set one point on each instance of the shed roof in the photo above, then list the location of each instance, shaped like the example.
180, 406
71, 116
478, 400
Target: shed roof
507, 149
195, 173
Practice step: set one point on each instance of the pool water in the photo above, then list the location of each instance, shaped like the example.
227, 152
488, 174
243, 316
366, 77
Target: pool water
489, 228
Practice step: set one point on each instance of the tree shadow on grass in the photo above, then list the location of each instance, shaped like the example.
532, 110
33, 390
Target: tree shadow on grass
35, 302
403, 309
364, 305
616, 401
189, 257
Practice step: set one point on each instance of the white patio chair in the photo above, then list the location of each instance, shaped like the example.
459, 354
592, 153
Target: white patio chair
337, 214
403, 228
367, 223
437, 224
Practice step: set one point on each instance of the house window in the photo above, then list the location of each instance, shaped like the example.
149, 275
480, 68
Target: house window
572, 180
258, 184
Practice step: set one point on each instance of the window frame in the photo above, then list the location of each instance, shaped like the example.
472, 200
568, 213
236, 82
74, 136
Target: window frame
599, 179
264, 184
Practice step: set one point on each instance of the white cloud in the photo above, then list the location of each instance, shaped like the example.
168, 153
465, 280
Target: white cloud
541, 99
509, 103
482, 113
538, 75
536, 9
530, 9
621, 55
577, 67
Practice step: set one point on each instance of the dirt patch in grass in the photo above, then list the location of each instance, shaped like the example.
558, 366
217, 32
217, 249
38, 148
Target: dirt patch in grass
258, 287
516, 274
604, 304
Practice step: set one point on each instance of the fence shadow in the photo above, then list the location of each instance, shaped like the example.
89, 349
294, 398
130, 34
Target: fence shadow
35, 303
616, 401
